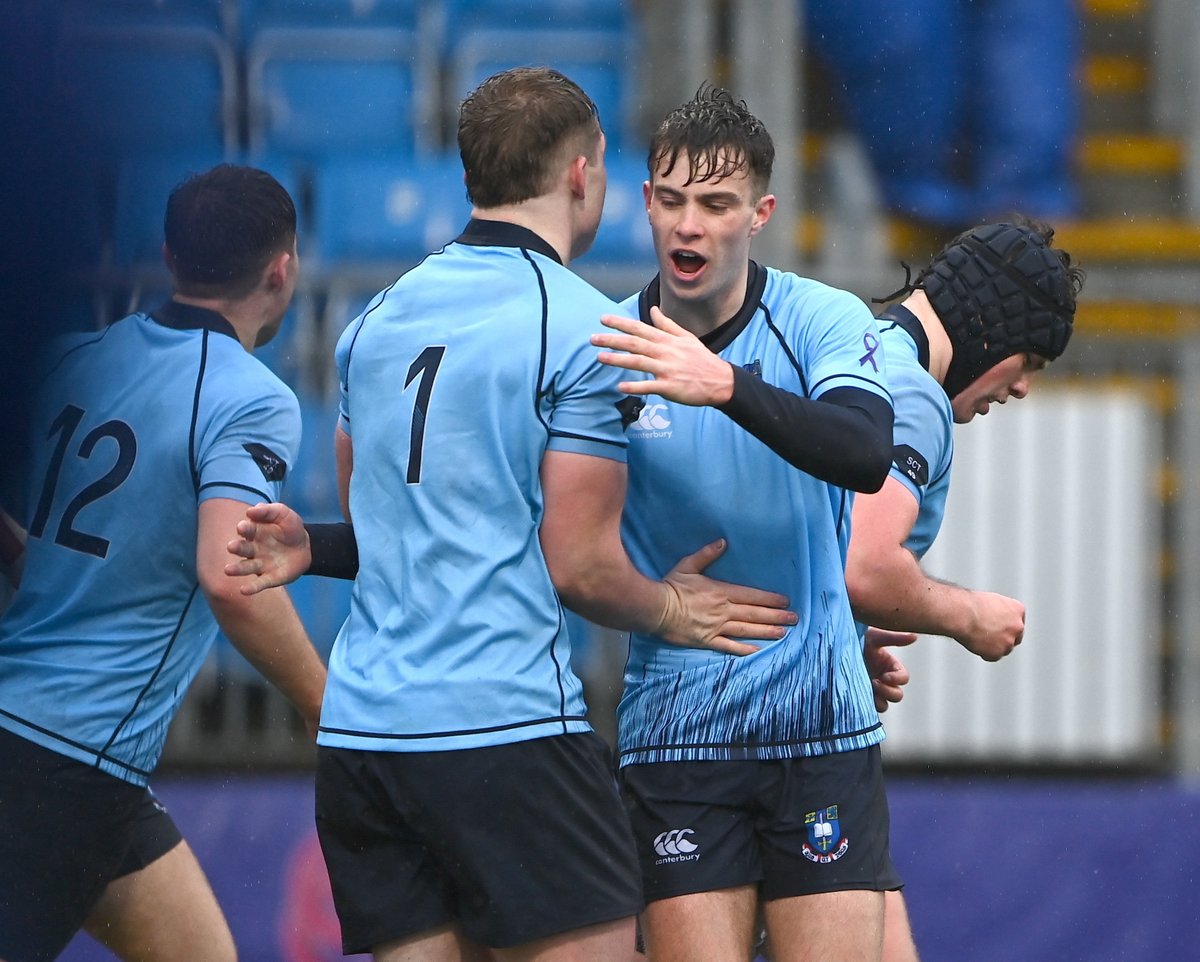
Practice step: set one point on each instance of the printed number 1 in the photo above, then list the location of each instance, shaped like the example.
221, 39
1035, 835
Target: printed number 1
425, 367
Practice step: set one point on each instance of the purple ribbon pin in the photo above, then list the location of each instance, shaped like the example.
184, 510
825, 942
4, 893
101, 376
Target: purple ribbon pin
871, 343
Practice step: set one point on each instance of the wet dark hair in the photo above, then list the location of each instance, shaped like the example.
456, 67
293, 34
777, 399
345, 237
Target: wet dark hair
512, 129
720, 137
222, 227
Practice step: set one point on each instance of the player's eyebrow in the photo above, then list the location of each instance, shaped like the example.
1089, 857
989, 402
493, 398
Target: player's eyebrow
708, 197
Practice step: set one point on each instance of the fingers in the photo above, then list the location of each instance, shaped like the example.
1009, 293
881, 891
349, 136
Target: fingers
265, 513
731, 646
881, 638
628, 325
757, 598
245, 567
664, 323
763, 614
753, 629
697, 561
629, 362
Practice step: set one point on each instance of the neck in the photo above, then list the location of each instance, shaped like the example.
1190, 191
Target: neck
545, 216
703, 316
238, 313
941, 351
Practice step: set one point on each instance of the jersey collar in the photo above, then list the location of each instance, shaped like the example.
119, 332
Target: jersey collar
902, 317
721, 337
501, 233
187, 317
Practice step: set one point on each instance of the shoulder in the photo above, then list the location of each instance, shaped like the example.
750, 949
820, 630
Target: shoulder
802, 299
238, 381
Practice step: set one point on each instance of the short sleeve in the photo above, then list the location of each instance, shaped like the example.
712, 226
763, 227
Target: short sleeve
249, 449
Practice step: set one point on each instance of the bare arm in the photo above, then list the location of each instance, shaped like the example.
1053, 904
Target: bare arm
888, 588
581, 539
343, 453
264, 627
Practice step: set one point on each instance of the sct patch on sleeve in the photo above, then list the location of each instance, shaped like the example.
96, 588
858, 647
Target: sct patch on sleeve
269, 463
911, 463
249, 454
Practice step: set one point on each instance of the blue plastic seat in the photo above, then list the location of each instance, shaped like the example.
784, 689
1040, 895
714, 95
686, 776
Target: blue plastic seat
131, 88
601, 61
392, 209
255, 15
315, 91
466, 15
624, 235
145, 181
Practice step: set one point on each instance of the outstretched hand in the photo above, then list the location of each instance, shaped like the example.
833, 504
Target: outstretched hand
272, 545
682, 369
888, 674
706, 613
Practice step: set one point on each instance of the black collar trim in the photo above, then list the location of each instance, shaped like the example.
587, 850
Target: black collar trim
721, 337
189, 317
499, 233
904, 318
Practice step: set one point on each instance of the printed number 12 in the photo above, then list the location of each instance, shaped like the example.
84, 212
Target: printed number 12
425, 367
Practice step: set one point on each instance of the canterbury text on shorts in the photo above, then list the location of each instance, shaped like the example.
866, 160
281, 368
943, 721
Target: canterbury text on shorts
65, 828
795, 826
513, 843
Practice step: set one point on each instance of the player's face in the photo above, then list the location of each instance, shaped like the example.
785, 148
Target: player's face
595, 189
1009, 379
702, 234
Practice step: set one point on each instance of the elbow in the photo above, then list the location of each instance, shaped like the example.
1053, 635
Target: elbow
872, 469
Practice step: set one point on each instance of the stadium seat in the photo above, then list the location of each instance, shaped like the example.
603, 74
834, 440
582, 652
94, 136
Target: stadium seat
601, 61
129, 88
256, 15
624, 235
145, 181
211, 14
467, 15
315, 91
390, 210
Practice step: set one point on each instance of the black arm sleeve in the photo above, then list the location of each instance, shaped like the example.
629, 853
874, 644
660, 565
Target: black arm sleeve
334, 550
844, 438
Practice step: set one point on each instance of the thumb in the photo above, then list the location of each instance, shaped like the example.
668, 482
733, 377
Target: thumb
880, 637
697, 561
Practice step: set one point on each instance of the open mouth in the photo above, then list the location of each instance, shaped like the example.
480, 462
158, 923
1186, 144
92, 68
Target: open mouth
687, 262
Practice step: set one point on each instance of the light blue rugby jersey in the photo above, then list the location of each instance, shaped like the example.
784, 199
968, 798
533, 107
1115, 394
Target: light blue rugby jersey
136, 425
455, 381
923, 433
695, 476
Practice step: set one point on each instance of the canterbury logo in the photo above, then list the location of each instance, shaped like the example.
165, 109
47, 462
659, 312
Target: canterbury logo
675, 842
653, 418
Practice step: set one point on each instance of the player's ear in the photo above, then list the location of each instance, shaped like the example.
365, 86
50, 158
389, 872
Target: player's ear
762, 213
167, 258
277, 271
577, 177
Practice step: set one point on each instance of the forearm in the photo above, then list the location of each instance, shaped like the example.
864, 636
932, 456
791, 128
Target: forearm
844, 438
611, 592
894, 593
267, 631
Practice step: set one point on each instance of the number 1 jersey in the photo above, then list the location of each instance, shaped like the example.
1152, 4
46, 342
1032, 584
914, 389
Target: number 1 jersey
455, 382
